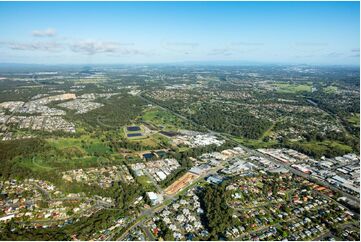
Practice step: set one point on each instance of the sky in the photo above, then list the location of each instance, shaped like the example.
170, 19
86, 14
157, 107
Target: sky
177, 32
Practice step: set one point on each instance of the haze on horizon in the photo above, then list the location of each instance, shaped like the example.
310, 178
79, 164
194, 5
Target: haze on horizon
163, 32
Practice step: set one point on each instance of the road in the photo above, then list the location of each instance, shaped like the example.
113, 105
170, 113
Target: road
147, 213
262, 228
257, 153
265, 227
328, 233
45, 192
159, 189
315, 180
174, 113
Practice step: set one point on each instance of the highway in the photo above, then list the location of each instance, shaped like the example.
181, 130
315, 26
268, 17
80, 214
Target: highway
144, 215
257, 153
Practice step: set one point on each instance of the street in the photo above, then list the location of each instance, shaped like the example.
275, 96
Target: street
146, 214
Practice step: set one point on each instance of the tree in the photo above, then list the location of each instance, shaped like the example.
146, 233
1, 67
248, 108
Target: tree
218, 215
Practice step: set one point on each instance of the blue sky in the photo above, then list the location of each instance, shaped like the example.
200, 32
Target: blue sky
161, 32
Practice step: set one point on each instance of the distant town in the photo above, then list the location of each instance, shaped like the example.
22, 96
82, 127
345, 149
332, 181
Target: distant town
191, 153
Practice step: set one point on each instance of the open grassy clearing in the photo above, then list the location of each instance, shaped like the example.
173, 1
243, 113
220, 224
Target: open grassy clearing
137, 138
91, 80
64, 154
163, 119
39, 163
155, 140
355, 119
330, 89
84, 145
62, 143
183, 148
256, 143
324, 148
293, 88
146, 183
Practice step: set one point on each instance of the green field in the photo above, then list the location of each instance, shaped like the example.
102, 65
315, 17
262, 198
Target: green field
39, 163
325, 148
163, 119
56, 155
81, 146
47, 159
312, 148
293, 88
63, 143
256, 143
355, 119
146, 183
330, 89
155, 141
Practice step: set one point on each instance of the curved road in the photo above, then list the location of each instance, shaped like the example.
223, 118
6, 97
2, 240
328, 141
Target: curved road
257, 153
146, 213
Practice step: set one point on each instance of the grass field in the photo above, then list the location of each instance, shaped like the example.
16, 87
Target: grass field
164, 119
316, 148
293, 88
355, 119
62, 143
327, 147
63, 164
69, 153
97, 148
155, 141
183, 148
330, 89
82, 146
146, 183
47, 158
256, 143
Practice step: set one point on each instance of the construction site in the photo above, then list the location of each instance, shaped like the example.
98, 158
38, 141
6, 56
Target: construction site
181, 183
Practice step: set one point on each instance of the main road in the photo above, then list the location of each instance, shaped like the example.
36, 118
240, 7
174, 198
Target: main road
145, 214
257, 153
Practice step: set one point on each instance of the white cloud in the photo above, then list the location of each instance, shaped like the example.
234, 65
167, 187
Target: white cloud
92, 47
36, 46
86, 47
355, 53
44, 33
235, 49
